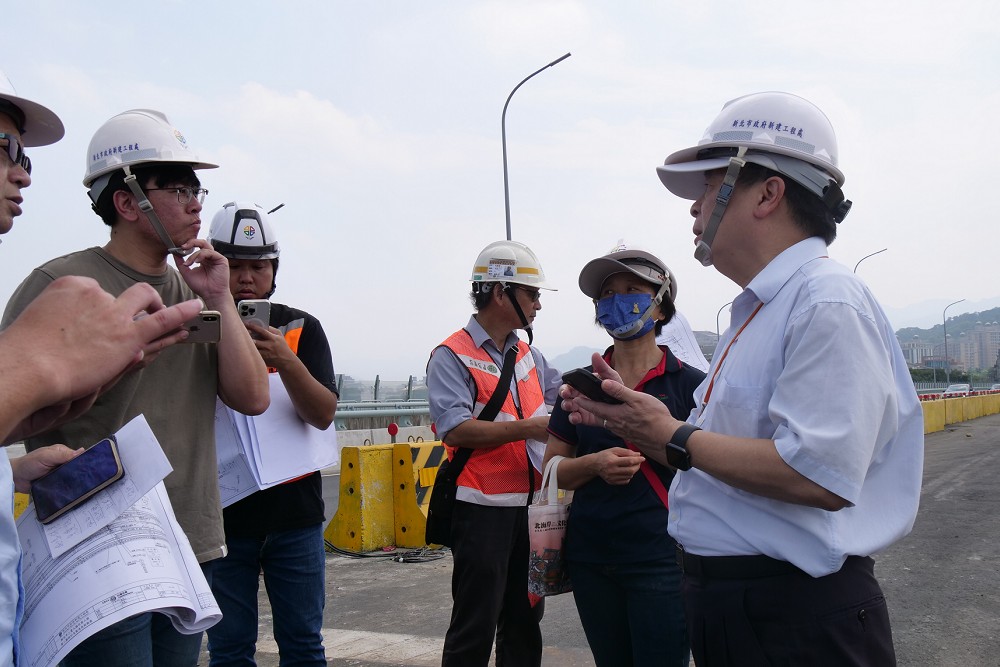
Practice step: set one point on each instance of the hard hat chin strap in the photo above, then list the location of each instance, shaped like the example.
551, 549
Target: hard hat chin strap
509, 291
703, 251
147, 207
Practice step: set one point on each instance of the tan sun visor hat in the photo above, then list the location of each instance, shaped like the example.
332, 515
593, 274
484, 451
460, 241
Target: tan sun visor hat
637, 262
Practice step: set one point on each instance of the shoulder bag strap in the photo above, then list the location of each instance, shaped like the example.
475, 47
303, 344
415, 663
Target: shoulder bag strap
492, 408
653, 479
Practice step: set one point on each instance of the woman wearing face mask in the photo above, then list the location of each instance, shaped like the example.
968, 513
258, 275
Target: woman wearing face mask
621, 560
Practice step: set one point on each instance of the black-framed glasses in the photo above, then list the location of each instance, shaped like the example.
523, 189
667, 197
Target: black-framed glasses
533, 294
185, 194
15, 151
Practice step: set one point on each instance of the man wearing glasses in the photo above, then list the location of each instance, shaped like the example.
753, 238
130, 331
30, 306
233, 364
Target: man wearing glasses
489, 529
142, 182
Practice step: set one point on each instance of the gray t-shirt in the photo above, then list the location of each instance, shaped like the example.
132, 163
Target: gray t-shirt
176, 394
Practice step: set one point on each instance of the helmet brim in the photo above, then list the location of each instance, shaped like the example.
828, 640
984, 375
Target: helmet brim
41, 125
597, 271
686, 179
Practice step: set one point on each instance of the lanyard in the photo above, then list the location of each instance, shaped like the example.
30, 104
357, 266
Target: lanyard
722, 359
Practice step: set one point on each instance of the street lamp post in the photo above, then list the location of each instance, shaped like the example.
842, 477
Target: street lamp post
866, 257
503, 136
944, 322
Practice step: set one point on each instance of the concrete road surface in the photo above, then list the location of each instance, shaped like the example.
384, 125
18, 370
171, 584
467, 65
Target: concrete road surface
942, 581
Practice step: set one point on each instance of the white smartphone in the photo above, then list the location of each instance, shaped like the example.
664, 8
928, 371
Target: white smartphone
257, 311
205, 327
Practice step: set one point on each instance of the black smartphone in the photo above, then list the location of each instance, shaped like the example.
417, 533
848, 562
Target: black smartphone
588, 384
75, 481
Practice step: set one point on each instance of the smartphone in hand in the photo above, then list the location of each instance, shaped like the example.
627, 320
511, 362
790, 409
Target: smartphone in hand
205, 327
588, 384
257, 311
77, 480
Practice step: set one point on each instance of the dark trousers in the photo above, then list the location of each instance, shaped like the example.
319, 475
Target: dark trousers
840, 620
489, 587
632, 613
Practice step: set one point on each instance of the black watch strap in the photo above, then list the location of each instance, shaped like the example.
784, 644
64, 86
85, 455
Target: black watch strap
676, 450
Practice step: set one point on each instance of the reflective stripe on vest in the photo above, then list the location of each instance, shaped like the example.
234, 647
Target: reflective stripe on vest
292, 333
498, 475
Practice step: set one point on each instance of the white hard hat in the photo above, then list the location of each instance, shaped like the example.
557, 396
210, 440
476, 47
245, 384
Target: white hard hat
509, 262
38, 125
135, 137
780, 131
243, 231
622, 259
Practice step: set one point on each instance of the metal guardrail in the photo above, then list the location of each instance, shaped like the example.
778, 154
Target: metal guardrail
354, 415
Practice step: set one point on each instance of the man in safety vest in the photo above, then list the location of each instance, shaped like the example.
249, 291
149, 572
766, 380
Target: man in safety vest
141, 179
490, 525
276, 531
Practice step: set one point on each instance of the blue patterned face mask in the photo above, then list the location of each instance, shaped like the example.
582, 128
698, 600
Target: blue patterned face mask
619, 313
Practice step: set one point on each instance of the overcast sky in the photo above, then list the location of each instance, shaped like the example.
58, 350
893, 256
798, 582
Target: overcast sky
377, 124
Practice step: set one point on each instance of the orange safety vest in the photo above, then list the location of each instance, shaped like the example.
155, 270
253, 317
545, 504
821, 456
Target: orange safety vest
292, 333
498, 475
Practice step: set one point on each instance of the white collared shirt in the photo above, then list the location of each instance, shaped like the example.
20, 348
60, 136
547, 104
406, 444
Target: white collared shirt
819, 371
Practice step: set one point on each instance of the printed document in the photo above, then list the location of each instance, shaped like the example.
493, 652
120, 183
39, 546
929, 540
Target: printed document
678, 336
259, 452
145, 465
140, 562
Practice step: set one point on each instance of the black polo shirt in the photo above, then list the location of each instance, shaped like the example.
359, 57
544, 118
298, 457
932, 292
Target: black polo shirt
624, 524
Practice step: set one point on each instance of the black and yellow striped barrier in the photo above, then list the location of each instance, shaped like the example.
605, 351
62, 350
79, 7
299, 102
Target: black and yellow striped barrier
384, 492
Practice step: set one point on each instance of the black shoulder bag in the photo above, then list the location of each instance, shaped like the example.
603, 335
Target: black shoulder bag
442, 502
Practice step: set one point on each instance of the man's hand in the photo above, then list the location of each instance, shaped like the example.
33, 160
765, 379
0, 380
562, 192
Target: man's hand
74, 341
538, 427
205, 271
38, 463
272, 346
50, 417
641, 419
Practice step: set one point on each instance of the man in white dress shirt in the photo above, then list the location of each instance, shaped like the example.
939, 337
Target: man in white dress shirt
804, 455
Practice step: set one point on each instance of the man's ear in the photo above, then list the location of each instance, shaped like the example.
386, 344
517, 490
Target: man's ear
770, 193
126, 205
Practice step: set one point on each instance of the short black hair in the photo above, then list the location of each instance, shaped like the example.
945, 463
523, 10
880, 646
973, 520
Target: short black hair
808, 211
482, 294
161, 174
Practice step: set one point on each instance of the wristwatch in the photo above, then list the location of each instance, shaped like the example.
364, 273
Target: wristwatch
676, 450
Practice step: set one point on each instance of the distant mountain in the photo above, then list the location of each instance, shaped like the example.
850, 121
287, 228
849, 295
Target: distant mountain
928, 313
580, 356
575, 358
957, 325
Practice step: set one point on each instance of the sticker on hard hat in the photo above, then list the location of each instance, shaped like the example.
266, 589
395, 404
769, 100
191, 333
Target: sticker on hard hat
180, 137
500, 268
249, 231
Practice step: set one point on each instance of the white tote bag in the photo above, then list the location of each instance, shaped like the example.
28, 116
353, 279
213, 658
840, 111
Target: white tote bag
547, 518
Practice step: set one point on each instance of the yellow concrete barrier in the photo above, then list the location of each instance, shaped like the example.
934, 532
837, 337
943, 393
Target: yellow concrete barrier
384, 492
364, 518
410, 491
934, 416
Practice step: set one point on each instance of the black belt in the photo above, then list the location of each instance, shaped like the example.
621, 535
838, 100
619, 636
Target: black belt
733, 567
